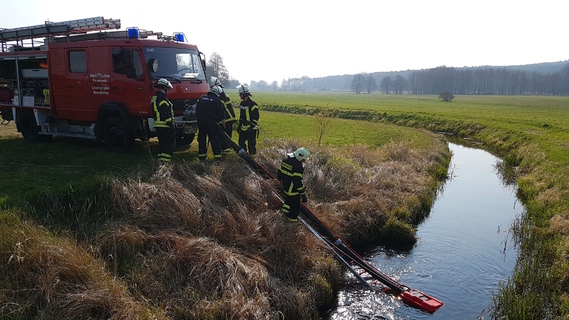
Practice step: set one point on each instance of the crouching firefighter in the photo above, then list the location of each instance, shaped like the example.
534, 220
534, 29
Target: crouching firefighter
163, 111
290, 175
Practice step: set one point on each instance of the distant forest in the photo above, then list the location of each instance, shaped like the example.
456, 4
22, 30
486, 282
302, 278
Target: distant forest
550, 78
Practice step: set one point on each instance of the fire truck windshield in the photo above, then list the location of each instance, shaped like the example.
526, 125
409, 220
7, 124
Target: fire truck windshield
175, 63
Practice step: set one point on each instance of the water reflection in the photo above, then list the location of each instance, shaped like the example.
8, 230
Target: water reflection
507, 174
461, 255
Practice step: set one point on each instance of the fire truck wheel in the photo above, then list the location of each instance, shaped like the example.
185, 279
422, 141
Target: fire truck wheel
184, 141
117, 136
30, 130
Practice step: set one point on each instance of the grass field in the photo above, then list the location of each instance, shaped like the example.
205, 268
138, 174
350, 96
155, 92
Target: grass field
531, 133
544, 120
30, 169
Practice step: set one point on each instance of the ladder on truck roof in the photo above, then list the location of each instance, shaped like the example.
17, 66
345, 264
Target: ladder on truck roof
52, 29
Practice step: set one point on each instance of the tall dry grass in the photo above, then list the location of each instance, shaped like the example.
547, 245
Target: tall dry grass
369, 194
49, 277
207, 241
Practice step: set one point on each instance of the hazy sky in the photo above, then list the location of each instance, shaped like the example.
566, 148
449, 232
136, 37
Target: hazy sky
276, 40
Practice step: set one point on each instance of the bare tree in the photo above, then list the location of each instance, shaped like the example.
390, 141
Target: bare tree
274, 86
358, 83
386, 83
297, 84
371, 84
399, 84
261, 85
216, 68
322, 122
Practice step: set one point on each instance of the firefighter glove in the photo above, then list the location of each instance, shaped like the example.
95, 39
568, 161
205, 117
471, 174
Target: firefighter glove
303, 198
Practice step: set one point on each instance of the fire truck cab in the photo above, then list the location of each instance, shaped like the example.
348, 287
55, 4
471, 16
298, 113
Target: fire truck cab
83, 82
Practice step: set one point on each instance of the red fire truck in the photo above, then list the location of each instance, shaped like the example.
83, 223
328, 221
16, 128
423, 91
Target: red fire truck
85, 79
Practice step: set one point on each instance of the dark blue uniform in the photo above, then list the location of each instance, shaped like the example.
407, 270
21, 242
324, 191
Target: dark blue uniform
209, 113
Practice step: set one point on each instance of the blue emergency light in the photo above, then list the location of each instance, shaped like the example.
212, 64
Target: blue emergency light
180, 37
132, 33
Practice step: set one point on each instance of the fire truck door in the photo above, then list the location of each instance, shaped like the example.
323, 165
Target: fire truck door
129, 83
80, 99
100, 75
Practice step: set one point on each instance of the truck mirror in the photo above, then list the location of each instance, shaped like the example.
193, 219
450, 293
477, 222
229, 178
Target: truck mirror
202, 58
152, 65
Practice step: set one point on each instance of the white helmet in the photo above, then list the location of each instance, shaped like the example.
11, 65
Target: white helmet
215, 82
301, 154
164, 83
216, 90
243, 89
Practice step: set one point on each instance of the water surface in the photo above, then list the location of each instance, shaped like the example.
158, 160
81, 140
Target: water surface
462, 254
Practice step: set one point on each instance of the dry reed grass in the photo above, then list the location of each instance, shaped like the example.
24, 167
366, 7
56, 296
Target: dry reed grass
51, 277
559, 224
160, 203
357, 190
208, 241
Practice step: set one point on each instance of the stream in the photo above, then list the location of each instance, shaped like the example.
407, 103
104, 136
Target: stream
464, 248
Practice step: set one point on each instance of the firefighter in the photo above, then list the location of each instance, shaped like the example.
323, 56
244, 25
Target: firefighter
210, 115
290, 175
229, 116
248, 127
163, 111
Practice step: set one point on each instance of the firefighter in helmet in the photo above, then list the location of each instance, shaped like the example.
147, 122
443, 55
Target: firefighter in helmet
163, 111
248, 127
210, 115
290, 175
229, 116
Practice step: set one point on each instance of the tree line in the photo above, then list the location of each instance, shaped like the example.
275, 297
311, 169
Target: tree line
488, 81
467, 81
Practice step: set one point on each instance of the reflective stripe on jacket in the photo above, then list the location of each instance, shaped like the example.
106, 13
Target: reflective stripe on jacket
229, 113
163, 111
290, 174
249, 115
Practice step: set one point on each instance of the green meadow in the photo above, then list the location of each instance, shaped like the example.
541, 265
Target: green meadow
543, 120
32, 169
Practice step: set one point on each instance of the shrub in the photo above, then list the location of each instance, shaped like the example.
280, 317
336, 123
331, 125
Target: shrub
446, 96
